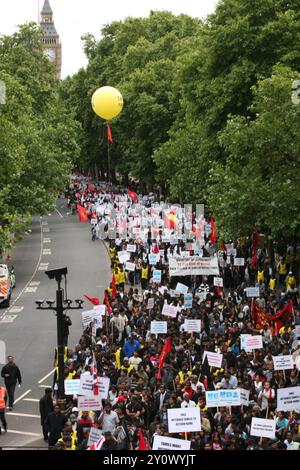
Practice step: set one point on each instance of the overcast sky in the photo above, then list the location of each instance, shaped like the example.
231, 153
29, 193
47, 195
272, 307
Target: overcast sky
73, 18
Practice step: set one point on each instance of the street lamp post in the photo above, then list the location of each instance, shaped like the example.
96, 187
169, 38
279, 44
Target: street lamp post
59, 308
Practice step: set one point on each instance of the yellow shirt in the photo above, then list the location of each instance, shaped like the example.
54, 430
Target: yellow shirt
282, 268
144, 273
122, 278
272, 283
260, 276
117, 276
290, 281
281, 331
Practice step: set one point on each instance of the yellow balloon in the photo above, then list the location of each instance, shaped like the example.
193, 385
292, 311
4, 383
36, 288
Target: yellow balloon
107, 102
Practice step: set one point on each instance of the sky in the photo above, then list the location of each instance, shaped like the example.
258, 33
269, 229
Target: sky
73, 18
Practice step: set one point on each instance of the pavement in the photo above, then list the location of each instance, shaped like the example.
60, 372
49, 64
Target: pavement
54, 240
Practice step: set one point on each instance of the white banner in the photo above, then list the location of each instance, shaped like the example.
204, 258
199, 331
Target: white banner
103, 387
214, 359
131, 248
192, 326
263, 428
283, 362
86, 384
239, 261
150, 303
94, 436
93, 403
72, 387
253, 342
87, 317
123, 256
101, 309
169, 311
159, 327
129, 266
193, 266
218, 281
182, 288
170, 443
184, 420
288, 399
217, 398
243, 342
244, 395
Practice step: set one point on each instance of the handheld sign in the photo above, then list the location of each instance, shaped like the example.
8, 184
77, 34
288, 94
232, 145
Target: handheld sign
86, 385
214, 359
188, 301
184, 420
159, 327
182, 288
72, 387
170, 443
239, 261
253, 342
252, 291
103, 387
169, 311
192, 326
288, 399
283, 362
129, 266
218, 281
263, 428
93, 403
156, 276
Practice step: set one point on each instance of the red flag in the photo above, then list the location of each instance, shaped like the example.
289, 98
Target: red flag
255, 238
133, 196
213, 233
113, 285
259, 316
109, 136
94, 300
254, 259
142, 443
82, 213
155, 249
161, 360
91, 188
106, 301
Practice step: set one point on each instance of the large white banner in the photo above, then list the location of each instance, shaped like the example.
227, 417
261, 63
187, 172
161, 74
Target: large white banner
184, 420
288, 399
217, 398
283, 362
87, 317
170, 443
263, 428
193, 266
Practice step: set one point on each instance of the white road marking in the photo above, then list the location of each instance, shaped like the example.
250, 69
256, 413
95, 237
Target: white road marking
43, 266
23, 415
47, 240
45, 386
24, 395
30, 289
59, 213
8, 318
35, 283
23, 433
30, 280
46, 251
46, 376
16, 309
31, 399
46, 230
44, 223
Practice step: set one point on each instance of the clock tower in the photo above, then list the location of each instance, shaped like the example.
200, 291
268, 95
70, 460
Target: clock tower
51, 41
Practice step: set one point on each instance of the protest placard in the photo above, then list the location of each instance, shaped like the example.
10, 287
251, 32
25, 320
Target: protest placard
192, 326
218, 281
170, 443
129, 266
101, 309
184, 420
193, 266
93, 403
297, 331
217, 398
150, 303
243, 338
169, 310
131, 248
94, 436
87, 317
244, 396
182, 288
156, 276
253, 342
72, 387
188, 300
123, 256
283, 362
86, 384
159, 327
154, 258
214, 359
263, 428
288, 399
239, 261
252, 291
103, 387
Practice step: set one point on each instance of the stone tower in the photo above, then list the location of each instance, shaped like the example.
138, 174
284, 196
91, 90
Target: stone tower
51, 41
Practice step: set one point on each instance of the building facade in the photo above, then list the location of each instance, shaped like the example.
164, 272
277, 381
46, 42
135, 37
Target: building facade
51, 41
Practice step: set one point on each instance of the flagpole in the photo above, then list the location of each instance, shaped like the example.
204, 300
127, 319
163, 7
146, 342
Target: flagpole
108, 157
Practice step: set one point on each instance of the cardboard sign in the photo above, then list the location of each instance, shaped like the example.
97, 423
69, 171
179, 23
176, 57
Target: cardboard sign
188, 300
217, 398
182, 288
154, 258
214, 359
170, 443
184, 420
239, 261
87, 317
193, 266
103, 387
93, 403
131, 248
263, 428
150, 303
288, 399
192, 326
159, 327
169, 311
253, 342
252, 291
283, 362
218, 281
94, 436
86, 385
157, 276
129, 266
72, 387
244, 395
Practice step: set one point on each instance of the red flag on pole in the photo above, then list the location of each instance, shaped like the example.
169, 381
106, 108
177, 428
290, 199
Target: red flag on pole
142, 443
114, 288
213, 233
94, 300
109, 136
161, 360
106, 301
133, 196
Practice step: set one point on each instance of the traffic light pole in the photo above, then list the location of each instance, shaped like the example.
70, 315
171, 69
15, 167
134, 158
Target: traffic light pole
60, 339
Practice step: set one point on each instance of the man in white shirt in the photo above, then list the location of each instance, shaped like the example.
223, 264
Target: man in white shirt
109, 419
187, 403
290, 444
135, 360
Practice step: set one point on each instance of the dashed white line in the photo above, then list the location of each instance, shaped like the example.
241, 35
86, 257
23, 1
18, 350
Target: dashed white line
8, 318
16, 309
46, 376
34, 283
47, 240
46, 230
59, 213
30, 289
23, 415
22, 396
46, 251
34, 434
31, 399
45, 386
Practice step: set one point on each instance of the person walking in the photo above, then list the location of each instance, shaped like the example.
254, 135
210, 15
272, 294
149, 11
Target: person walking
3, 399
46, 407
54, 425
11, 374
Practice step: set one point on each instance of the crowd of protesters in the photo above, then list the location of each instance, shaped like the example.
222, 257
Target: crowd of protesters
152, 373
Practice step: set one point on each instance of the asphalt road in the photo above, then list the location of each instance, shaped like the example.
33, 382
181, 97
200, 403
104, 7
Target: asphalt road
55, 240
